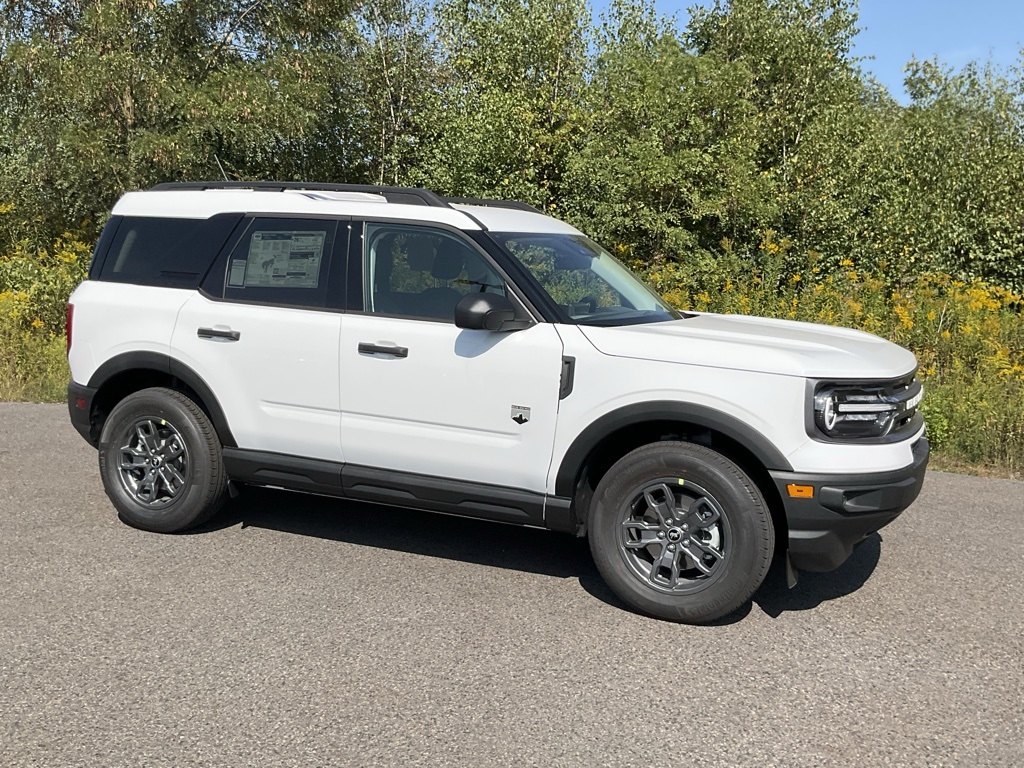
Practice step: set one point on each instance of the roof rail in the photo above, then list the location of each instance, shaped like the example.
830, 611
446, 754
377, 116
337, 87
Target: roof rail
513, 204
396, 195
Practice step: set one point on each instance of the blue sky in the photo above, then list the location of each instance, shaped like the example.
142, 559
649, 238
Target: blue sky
956, 32
893, 31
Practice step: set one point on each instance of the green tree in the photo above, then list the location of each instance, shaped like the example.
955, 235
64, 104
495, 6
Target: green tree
960, 155
130, 92
816, 116
504, 115
669, 161
395, 64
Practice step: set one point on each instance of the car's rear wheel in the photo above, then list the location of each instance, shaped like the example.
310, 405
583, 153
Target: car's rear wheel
160, 460
680, 532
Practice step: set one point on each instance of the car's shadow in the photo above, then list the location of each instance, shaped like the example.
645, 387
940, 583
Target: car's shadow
813, 589
504, 546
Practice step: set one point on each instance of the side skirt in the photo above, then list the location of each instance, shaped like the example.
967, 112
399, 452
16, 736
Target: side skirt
402, 489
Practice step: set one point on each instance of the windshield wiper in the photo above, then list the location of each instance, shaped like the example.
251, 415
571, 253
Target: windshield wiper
632, 317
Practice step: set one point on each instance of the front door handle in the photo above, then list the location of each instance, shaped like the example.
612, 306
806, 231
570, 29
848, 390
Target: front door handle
218, 333
366, 348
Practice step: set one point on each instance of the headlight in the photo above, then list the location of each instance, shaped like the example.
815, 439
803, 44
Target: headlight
866, 410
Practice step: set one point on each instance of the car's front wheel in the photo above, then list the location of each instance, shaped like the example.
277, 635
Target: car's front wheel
160, 460
680, 532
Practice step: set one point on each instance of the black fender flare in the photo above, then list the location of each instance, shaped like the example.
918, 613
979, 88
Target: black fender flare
663, 410
155, 361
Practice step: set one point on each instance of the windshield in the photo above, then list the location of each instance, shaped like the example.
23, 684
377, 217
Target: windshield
588, 284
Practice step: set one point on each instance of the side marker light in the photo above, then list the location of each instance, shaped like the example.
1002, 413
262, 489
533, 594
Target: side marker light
800, 491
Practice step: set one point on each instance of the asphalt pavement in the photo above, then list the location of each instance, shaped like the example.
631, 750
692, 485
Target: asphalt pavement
300, 631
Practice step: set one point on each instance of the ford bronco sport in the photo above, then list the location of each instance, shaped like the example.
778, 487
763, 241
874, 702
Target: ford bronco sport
477, 357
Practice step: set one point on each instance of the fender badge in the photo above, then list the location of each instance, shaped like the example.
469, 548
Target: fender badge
520, 414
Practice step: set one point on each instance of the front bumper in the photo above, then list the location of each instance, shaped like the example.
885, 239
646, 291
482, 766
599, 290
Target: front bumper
80, 399
845, 509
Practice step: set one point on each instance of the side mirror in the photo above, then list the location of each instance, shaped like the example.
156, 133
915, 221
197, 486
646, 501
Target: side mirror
484, 312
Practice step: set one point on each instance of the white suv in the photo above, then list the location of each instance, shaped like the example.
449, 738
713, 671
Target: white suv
477, 357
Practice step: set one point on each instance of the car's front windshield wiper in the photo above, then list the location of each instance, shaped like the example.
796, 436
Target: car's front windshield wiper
628, 317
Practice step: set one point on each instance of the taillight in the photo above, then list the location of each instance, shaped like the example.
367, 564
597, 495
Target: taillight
67, 325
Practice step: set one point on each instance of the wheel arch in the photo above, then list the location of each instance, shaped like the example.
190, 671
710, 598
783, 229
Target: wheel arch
618, 432
123, 374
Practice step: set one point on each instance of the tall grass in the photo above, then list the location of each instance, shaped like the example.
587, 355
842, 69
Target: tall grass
34, 290
33, 367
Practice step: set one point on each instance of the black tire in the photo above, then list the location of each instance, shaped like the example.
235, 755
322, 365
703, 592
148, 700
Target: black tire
710, 557
160, 460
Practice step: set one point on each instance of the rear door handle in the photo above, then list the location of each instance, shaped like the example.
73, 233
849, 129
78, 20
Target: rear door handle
218, 333
367, 348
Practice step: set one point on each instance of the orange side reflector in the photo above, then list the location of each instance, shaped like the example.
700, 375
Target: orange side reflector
800, 491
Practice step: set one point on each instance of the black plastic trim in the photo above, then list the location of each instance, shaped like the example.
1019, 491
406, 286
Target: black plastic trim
354, 268
337, 273
81, 418
568, 377
129, 361
181, 371
663, 410
514, 205
845, 509
281, 470
437, 494
395, 195
558, 516
154, 361
402, 489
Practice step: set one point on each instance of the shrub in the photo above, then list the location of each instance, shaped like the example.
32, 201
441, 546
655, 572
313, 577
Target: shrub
35, 284
968, 337
34, 290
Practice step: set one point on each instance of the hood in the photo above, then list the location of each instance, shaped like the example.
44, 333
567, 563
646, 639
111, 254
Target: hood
740, 342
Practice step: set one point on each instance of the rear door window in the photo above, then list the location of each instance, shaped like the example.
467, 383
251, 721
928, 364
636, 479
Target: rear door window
281, 261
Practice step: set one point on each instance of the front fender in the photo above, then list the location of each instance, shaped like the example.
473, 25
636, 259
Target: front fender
663, 410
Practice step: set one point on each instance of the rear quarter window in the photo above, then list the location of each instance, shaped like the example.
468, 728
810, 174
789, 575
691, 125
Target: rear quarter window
175, 253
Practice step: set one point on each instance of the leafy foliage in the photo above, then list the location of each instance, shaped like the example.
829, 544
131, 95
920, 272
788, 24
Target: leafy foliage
505, 111
671, 144
744, 162
667, 167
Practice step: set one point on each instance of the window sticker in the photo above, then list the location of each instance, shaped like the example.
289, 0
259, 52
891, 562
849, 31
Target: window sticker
236, 278
284, 260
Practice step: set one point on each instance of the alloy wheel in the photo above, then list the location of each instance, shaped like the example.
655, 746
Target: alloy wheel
674, 536
153, 463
